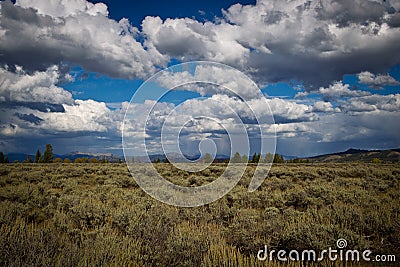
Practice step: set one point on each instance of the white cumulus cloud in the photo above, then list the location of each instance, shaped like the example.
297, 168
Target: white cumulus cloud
338, 90
376, 81
42, 33
39, 86
209, 80
287, 40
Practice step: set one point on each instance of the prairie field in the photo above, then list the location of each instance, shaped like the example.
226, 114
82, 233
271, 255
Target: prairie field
95, 215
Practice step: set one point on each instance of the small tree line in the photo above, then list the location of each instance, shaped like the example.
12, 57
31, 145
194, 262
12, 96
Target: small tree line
237, 158
48, 157
257, 157
269, 158
4, 159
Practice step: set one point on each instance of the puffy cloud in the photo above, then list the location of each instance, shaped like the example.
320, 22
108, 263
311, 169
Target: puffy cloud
390, 103
301, 95
8, 129
354, 100
344, 13
64, 8
356, 105
39, 87
36, 34
321, 106
360, 129
291, 130
339, 131
135, 119
288, 111
221, 79
226, 108
214, 117
187, 39
79, 118
83, 116
339, 90
33, 105
311, 41
376, 81
307, 42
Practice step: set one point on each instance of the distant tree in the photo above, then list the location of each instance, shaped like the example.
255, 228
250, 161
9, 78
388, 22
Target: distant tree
7, 160
256, 158
207, 158
58, 160
28, 159
253, 157
103, 160
166, 160
67, 160
1, 157
278, 159
84, 160
376, 160
78, 160
245, 159
94, 160
269, 158
298, 160
16, 161
38, 157
48, 154
236, 158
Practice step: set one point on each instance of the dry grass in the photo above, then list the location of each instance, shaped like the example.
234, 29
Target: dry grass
95, 214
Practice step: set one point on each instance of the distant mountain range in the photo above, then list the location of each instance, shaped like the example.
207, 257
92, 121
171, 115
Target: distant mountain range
107, 156
350, 155
389, 155
175, 157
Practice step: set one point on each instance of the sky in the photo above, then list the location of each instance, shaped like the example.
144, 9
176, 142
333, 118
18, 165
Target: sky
328, 72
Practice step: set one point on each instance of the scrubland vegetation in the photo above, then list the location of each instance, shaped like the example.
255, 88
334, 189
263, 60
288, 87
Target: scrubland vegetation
95, 214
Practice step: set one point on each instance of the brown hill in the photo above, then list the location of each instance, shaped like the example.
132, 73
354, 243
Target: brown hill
390, 155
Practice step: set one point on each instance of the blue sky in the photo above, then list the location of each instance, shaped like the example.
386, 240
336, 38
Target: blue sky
329, 70
206, 10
